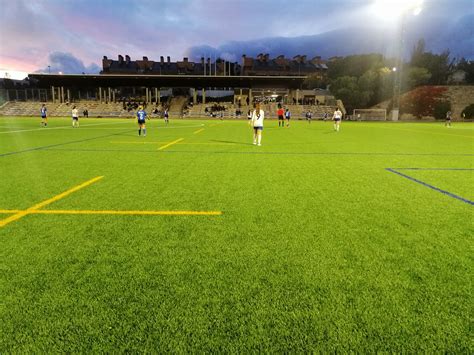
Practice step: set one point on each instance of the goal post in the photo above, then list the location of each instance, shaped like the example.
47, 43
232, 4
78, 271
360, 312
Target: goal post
370, 114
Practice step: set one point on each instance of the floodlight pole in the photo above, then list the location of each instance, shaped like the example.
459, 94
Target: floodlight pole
398, 73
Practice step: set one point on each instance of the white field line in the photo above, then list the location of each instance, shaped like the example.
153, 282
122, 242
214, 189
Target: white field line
62, 127
93, 124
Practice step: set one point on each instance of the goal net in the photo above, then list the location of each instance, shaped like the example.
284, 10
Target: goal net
371, 114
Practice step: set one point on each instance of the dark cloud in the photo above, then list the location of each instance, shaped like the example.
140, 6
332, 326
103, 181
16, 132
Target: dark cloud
66, 63
457, 37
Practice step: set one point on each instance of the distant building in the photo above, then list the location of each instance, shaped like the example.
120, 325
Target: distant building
298, 66
262, 65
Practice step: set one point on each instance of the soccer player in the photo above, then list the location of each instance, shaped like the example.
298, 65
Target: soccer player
309, 116
75, 117
288, 117
337, 117
258, 115
166, 115
141, 116
281, 117
448, 119
44, 116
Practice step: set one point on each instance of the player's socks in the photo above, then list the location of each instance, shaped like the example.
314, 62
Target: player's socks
144, 131
139, 132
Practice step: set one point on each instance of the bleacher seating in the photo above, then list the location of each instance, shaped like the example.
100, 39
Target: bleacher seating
97, 109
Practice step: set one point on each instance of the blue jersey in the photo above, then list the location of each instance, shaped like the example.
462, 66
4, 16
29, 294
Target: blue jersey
141, 116
43, 111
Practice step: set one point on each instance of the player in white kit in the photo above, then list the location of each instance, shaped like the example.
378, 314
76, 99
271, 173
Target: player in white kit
258, 115
337, 117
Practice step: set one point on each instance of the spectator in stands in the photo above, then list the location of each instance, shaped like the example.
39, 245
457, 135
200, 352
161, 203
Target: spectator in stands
258, 116
44, 115
337, 117
85, 113
75, 117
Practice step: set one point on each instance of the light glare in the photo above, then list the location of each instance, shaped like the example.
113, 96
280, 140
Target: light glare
396, 8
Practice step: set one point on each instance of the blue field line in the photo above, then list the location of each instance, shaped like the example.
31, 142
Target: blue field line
45, 147
461, 169
392, 170
169, 151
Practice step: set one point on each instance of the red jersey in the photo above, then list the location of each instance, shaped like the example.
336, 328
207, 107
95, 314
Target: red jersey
280, 112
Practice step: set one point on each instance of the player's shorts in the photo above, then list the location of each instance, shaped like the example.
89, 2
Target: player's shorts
288, 118
141, 122
280, 117
448, 119
75, 118
337, 119
43, 117
258, 128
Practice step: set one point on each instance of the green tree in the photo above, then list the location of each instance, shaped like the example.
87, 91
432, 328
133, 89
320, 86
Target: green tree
415, 76
468, 68
354, 65
346, 88
438, 65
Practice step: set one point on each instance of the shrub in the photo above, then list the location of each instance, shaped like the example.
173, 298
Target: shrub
440, 108
421, 101
468, 112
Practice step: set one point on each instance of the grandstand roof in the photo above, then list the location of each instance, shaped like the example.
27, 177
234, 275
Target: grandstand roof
194, 81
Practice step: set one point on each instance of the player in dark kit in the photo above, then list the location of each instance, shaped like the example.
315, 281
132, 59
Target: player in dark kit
44, 116
281, 117
448, 119
141, 118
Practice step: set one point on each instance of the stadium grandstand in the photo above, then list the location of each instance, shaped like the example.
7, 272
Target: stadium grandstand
186, 89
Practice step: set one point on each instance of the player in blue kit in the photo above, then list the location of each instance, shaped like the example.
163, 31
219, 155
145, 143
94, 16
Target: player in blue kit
141, 117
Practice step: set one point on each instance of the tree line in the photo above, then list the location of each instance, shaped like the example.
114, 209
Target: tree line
362, 81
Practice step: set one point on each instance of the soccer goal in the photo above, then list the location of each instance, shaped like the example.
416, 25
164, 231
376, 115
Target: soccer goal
371, 114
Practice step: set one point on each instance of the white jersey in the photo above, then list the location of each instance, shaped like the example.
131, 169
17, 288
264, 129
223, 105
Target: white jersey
257, 118
75, 113
337, 115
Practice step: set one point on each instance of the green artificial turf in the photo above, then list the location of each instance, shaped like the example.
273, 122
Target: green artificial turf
319, 247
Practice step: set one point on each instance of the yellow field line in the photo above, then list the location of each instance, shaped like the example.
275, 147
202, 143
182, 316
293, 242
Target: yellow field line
111, 212
170, 144
35, 208
208, 143
120, 142
198, 131
187, 143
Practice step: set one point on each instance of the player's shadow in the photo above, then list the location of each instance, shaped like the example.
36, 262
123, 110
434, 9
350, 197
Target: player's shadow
231, 142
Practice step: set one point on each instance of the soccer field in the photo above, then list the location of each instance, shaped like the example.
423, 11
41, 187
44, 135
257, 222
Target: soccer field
192, 239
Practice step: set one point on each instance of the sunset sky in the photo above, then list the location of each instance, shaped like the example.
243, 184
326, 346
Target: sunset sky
73, 36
